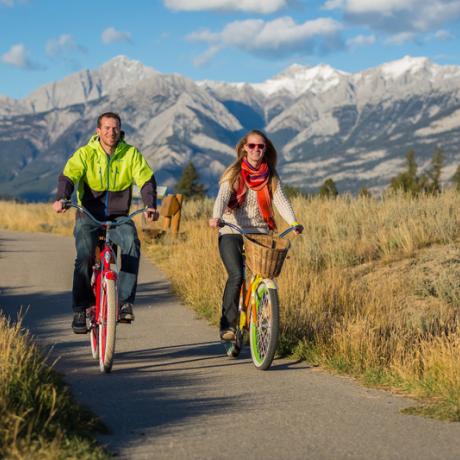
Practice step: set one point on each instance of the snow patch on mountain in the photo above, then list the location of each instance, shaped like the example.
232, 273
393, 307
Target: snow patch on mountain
407, 64
441, 125
385, 169
298, 79
205, 142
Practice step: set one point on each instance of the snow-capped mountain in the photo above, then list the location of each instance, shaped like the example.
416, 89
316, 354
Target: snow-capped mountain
355, 128
86, 86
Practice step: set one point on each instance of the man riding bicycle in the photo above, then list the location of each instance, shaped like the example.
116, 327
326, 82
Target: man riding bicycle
104, 170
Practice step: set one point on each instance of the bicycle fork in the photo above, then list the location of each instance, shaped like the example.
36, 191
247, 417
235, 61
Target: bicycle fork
249, 303
101, 270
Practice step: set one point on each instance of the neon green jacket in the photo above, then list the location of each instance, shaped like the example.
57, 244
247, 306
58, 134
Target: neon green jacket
105, 181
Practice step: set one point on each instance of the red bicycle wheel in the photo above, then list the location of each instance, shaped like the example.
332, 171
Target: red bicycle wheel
107, 324
93, 332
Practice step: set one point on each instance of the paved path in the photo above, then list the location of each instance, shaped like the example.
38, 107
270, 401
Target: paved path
173, 395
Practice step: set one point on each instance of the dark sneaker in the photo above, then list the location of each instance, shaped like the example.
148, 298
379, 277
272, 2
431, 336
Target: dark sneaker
126, 313
228, 334
79, 323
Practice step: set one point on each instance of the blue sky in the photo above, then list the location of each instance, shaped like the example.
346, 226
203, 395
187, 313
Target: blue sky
229, 40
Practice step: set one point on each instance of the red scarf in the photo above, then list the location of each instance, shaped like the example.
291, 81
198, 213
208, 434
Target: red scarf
256, 179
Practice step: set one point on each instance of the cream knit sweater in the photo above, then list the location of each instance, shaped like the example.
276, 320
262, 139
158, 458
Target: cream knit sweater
248, 216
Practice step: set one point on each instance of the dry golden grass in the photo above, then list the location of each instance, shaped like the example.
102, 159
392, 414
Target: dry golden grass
38, 416
370, 289
36, 217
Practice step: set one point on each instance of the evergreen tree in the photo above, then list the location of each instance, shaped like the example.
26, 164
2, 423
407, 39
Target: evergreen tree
407, 180
188, 184
456, 179
328, 189
292, 192
434, 174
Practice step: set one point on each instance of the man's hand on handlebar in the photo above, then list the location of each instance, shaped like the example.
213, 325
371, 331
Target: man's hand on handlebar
58, 206
151, 214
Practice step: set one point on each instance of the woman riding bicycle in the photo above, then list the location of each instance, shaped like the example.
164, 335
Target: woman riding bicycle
248, 189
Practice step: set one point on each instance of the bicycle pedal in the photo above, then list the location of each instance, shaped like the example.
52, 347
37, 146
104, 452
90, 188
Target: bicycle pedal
125, 321
231, 349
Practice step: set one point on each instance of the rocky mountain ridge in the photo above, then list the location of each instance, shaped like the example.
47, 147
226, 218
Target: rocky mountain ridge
355, 128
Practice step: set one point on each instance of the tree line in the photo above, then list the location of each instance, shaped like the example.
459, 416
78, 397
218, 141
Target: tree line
408, 180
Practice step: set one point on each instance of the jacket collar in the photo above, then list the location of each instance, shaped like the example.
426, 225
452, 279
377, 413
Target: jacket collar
94, 142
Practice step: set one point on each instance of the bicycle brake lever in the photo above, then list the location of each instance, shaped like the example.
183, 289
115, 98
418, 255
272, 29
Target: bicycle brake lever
66, 204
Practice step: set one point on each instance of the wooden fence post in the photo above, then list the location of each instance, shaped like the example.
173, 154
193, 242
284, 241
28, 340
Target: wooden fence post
175, 222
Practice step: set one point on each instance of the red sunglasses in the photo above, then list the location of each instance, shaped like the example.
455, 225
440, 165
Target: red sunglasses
253, 146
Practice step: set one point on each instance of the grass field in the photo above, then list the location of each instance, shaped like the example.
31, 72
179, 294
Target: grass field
39, 418
371, 288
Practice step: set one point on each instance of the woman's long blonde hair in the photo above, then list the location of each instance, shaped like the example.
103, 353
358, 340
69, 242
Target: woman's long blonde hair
232, 173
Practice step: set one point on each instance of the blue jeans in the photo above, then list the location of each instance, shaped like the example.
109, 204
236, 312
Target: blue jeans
86, 234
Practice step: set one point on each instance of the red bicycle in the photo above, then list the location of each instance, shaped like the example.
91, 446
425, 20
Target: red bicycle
102, 318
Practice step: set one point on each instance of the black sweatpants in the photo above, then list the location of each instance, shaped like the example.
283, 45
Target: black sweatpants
231, 252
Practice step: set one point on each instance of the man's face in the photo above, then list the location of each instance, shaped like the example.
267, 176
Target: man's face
109, 132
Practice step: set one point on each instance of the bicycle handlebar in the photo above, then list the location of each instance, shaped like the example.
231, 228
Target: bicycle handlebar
222, 223
109, 223
243, 232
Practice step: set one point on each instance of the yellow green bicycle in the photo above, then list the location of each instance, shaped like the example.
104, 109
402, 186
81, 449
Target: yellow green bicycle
258, 310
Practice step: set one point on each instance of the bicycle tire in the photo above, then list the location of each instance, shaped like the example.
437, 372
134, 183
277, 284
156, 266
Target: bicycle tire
93, 332
107, 325
264, 328
94, 339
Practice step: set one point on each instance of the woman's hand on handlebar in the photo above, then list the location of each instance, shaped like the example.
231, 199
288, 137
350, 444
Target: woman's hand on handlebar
298, 229
58, 206
215, 223
151, 214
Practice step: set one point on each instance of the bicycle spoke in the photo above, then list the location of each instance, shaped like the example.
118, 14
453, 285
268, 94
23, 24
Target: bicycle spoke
264, 327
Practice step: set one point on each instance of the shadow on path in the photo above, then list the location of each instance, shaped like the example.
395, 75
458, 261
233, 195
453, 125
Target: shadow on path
149, 389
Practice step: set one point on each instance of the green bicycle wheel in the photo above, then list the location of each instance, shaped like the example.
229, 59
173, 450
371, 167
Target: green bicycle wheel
264, 327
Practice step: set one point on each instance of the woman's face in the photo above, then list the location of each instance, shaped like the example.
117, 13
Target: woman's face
255, 149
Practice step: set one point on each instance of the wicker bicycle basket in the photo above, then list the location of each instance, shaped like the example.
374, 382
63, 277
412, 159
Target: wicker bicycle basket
265, 254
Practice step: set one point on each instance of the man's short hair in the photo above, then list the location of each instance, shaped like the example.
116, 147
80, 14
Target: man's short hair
108, 115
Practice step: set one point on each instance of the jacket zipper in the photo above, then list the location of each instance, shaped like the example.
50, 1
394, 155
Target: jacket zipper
115, 179
100, 177
108, 185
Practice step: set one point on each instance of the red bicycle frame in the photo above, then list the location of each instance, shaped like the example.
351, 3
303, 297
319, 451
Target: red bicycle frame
102, 269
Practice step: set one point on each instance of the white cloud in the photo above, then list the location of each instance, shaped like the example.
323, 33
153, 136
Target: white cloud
398, 16
399, 39
62, 46
17, 56
254, 6
11, 3
112, 35
280, 37
205, 57
443, 35
378, 6
333, 4
361, 40
204, 36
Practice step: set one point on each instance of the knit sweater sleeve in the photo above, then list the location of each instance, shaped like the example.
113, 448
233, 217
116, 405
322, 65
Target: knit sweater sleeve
222, 199
283, 205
